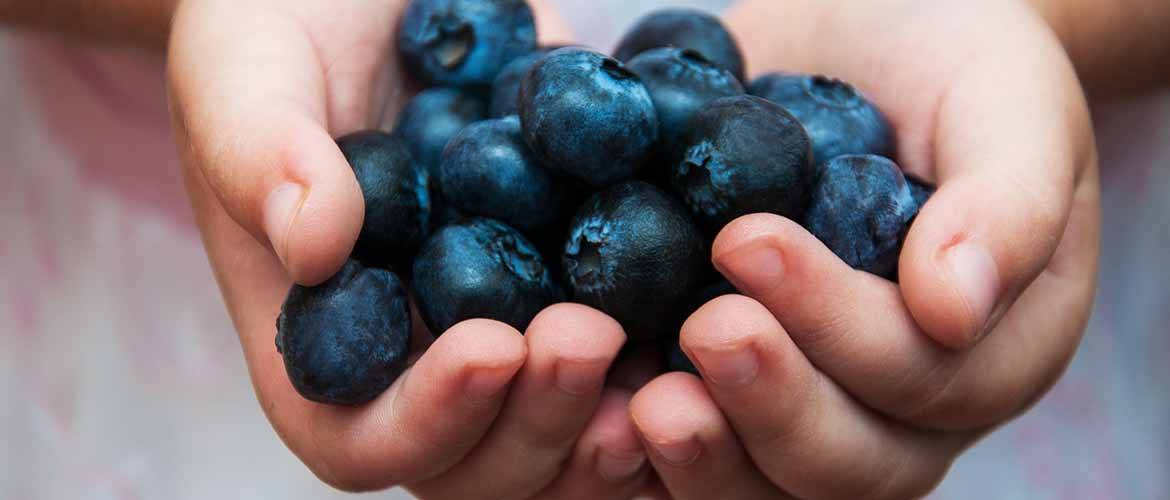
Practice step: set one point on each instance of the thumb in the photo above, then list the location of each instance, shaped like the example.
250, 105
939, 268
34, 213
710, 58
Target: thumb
1008, 158
248, 102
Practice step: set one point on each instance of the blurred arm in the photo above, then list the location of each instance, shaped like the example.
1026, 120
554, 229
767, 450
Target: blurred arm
1118, 46
139, 22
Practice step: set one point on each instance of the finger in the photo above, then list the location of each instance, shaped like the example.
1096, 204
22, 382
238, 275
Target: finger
570, 348
428, 419
254, 124
1006, 157
608, 460
551, 25
800, 429
421, 426
1031, 346
692, 447
856, 328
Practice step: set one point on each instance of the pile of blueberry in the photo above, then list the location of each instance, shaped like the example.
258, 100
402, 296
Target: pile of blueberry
525, 176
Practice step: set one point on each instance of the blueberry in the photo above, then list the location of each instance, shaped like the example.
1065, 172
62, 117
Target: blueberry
432, 117
680, 82
712, 292
397, 196
674, 358
345, 340
487, 170
861, 210
464, 42
634, 254
744, 155
587, 116
838, 119
687, 29
921, 191
480, 268
506, 88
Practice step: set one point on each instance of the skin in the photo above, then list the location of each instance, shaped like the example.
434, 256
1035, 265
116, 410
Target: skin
258, 90
484, 412
138, 22
883, 386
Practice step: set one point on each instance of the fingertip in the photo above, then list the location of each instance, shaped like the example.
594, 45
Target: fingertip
577, 331
749, 229
483, 343
950, 283
314, 237
670, 415
663, 410
619, 456
478, 358
725, 321
574, 345
761, 253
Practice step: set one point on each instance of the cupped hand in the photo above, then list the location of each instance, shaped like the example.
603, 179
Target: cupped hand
826, 382
258, 90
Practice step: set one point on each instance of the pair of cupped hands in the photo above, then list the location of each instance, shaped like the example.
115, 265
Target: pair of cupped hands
818, 382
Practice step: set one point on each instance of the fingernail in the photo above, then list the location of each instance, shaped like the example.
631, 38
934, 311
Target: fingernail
678, 453
753, 266
486, 384
729, 367
619, 469
280, 208
578, 377
977, 278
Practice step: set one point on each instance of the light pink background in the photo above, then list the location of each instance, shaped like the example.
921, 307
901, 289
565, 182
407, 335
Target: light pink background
123, 380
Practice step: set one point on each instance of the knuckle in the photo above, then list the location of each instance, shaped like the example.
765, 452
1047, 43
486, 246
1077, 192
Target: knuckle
931, 398
796, 423
1046, 210
895, 485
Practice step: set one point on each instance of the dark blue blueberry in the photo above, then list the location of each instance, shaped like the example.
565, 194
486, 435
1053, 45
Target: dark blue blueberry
712, 292
480, 268
487, 170
686, 29
861, 209
634, 254
464, 42
921, 191
432, 118
347, 339
744, 155
506, 88
680, 82
587, 116
838, 119
674, 358
397, 194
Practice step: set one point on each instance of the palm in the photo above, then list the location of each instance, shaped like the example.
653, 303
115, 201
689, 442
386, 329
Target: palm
331, 65
259, 91
958, 96
986, 105
336, 59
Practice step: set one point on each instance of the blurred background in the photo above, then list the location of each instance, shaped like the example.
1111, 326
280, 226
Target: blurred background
122, 377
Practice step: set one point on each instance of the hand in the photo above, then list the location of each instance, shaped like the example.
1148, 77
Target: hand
832, 383
258, 90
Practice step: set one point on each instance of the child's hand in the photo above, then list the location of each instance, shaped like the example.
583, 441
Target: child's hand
258, 90
832, 383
